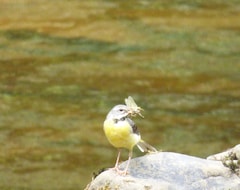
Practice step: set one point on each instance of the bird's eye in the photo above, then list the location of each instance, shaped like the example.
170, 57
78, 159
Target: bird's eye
121, 110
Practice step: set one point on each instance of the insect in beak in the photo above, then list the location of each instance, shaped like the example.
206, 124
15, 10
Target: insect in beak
133, 108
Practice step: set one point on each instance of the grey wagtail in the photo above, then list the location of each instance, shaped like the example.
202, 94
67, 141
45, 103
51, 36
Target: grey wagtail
122, 132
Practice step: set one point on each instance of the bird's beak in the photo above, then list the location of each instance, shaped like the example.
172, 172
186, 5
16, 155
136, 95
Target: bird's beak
129, 111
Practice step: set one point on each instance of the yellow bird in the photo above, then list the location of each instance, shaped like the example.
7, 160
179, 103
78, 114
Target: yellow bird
122, 132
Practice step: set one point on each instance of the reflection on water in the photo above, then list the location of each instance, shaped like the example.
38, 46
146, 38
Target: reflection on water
65, 64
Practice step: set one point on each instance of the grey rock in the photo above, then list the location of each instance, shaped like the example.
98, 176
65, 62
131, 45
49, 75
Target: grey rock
230, 158
233, 153
169, 171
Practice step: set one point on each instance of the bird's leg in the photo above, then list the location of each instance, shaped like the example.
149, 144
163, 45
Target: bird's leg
116, 165
129, 158
122, 172
117, 161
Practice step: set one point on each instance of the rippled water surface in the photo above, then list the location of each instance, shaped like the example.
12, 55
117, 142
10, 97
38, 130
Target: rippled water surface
64, 64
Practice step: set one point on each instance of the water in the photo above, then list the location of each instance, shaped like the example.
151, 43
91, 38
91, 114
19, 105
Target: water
65, 64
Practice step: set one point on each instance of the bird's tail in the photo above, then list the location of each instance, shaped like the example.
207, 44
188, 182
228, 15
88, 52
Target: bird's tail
145, 147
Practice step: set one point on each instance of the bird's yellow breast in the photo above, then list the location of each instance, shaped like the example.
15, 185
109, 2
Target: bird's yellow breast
120, 134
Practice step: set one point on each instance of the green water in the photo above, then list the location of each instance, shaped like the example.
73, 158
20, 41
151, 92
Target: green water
64, 64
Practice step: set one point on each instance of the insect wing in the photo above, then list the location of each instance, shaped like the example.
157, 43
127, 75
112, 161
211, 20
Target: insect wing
130, 102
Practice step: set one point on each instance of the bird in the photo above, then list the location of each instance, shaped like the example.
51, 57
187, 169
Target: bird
122, 132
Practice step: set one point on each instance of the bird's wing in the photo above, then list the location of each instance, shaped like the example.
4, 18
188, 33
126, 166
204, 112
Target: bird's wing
133, 125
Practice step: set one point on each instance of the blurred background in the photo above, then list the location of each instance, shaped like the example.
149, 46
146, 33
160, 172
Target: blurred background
65, 64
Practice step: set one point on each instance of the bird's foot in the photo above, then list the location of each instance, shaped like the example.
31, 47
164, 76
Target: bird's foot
120, 172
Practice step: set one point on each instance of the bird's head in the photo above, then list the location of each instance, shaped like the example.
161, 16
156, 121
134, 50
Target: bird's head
118, 112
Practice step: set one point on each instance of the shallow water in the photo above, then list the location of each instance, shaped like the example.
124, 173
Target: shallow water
65, 64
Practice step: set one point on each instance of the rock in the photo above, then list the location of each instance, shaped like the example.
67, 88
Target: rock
233, 153
230, 158
169, 171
